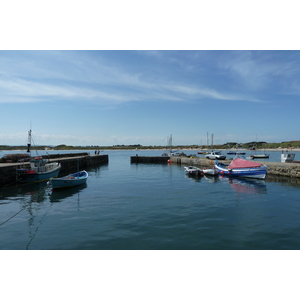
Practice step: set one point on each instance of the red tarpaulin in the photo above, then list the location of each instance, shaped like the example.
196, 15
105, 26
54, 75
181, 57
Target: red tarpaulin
242, 163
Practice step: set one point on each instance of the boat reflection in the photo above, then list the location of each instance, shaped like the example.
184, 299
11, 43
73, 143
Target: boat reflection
211, 179
248, 185
58, 195
194, 177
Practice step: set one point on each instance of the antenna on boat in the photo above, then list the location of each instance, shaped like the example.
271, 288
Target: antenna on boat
29, 141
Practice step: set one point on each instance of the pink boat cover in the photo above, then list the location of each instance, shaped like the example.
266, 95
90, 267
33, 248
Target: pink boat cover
242, 163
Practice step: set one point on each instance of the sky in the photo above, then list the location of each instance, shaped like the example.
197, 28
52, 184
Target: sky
136, 72
141, 97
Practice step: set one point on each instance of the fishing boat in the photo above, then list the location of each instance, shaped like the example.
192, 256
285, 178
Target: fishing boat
242, 168
191, 170
69, 180
39, 169
212, 172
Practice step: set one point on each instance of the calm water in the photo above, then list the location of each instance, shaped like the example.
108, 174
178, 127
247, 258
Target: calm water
148, 206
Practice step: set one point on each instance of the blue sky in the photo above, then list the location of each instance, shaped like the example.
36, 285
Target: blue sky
141, 97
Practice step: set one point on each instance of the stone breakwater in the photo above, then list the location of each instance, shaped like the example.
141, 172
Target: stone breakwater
274, 168
68, 165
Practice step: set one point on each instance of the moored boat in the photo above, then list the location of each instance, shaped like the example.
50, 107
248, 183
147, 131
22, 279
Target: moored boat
39, 170
236, 153
203, 152
191, 170
69, 180
287, 157
242, 168
257, 156
212, 172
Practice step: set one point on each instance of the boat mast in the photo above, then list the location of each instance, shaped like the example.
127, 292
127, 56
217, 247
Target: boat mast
207, 140
29, 141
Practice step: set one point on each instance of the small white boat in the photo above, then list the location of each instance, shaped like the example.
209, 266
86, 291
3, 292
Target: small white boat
212, 172
69, 180
191, 170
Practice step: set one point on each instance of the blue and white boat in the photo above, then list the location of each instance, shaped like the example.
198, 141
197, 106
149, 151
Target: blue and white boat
69, 180
242, 168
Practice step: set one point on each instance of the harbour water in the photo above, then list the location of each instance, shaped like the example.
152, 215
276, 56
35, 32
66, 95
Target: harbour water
154, 207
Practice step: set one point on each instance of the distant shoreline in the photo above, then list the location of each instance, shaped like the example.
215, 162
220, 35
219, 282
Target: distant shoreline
163, 149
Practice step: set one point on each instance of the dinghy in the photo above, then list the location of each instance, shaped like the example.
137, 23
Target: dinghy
69, 180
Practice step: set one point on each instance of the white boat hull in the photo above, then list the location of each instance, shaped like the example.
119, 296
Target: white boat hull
211, 172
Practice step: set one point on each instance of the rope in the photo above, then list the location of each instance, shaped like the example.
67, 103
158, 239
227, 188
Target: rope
25, 205
37, 228
13, 215
11, 183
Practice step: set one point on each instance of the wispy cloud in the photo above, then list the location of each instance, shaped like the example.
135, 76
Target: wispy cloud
48, 76
263, 70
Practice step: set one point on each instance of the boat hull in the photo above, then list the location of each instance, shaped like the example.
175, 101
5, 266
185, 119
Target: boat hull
70, 180
211, 172
236, 153
258, 173
25, 176
256, 156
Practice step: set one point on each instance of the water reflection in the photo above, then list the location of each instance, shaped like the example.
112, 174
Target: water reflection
211, 179
60, 194
248, 185
195, 177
